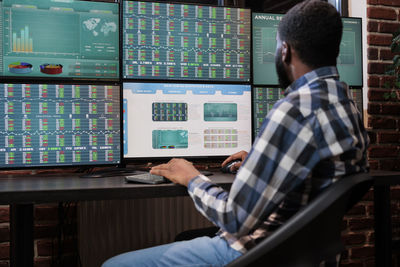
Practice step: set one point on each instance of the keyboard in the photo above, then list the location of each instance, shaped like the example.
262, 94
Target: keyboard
146, 178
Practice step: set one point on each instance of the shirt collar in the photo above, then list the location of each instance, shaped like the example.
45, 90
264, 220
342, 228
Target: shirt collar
319, 73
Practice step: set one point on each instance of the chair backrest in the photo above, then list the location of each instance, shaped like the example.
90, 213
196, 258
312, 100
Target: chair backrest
313, 234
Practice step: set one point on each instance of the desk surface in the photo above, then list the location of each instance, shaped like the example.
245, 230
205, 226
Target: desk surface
45, 188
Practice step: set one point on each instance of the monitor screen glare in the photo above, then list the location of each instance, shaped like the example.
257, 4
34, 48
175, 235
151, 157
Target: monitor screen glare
185, 120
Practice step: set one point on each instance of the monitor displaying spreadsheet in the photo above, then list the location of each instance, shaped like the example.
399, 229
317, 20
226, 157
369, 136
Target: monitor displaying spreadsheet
59, 125
170, 41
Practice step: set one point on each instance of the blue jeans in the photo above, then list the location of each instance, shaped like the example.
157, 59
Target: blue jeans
199, 252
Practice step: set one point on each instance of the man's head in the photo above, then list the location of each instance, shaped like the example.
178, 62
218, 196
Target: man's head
312, 30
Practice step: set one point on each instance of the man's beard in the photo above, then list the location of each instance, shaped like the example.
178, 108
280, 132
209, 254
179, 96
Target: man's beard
283, 77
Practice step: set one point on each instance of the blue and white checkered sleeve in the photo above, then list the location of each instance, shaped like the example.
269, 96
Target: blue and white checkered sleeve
280, 159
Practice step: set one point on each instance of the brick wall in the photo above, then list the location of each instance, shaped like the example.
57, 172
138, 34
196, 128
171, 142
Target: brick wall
47, 232
383, 126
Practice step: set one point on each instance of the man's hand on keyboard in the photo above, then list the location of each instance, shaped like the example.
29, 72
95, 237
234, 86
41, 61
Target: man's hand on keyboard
178, 171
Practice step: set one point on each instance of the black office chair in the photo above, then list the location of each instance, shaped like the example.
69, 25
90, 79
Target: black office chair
313, 234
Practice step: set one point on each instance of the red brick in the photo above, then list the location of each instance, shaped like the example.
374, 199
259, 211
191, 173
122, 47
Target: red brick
373, 164
386, 54
46, 247
46, 212
373, 81
391, 109
390, 164
361, 224
374, 108
394, 193
4, 251
358, 209
43, 262
382, 123
377, 68
379, 39
381, 13
393, 137
372, 53
353, 239
45, 230
389, 2
383, 151
372, 2
4, 214
387, 82
4, 234
372, 26
377, 94
4, 264
388, 27
363, 252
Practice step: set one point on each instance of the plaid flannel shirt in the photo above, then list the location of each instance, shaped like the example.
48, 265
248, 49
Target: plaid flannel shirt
310, 138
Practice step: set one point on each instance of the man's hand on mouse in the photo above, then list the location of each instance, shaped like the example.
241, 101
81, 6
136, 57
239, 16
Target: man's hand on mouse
239, 157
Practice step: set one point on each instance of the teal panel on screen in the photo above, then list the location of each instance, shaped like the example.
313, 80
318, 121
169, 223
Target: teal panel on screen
59, 39
349, 62
265, 27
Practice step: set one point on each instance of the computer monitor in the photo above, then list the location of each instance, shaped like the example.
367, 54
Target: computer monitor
54, 125
59, 39
349, 62
163, 120
265, 26
264, 98
164, 41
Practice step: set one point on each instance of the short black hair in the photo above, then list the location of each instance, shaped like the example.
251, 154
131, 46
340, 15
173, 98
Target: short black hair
314, 29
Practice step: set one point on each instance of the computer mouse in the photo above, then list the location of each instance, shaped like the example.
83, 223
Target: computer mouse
227, 167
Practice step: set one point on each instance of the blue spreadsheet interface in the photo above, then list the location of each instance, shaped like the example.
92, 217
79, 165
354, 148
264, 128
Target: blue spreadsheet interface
185, 42
59, 124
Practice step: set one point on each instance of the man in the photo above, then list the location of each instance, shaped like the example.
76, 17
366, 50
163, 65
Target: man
311, 138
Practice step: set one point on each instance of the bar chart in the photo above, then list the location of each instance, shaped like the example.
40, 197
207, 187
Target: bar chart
22, 42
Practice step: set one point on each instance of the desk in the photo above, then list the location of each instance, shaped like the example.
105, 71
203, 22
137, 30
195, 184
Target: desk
22, 192
382, 216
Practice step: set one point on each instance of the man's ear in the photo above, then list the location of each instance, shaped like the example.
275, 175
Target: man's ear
286, 53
